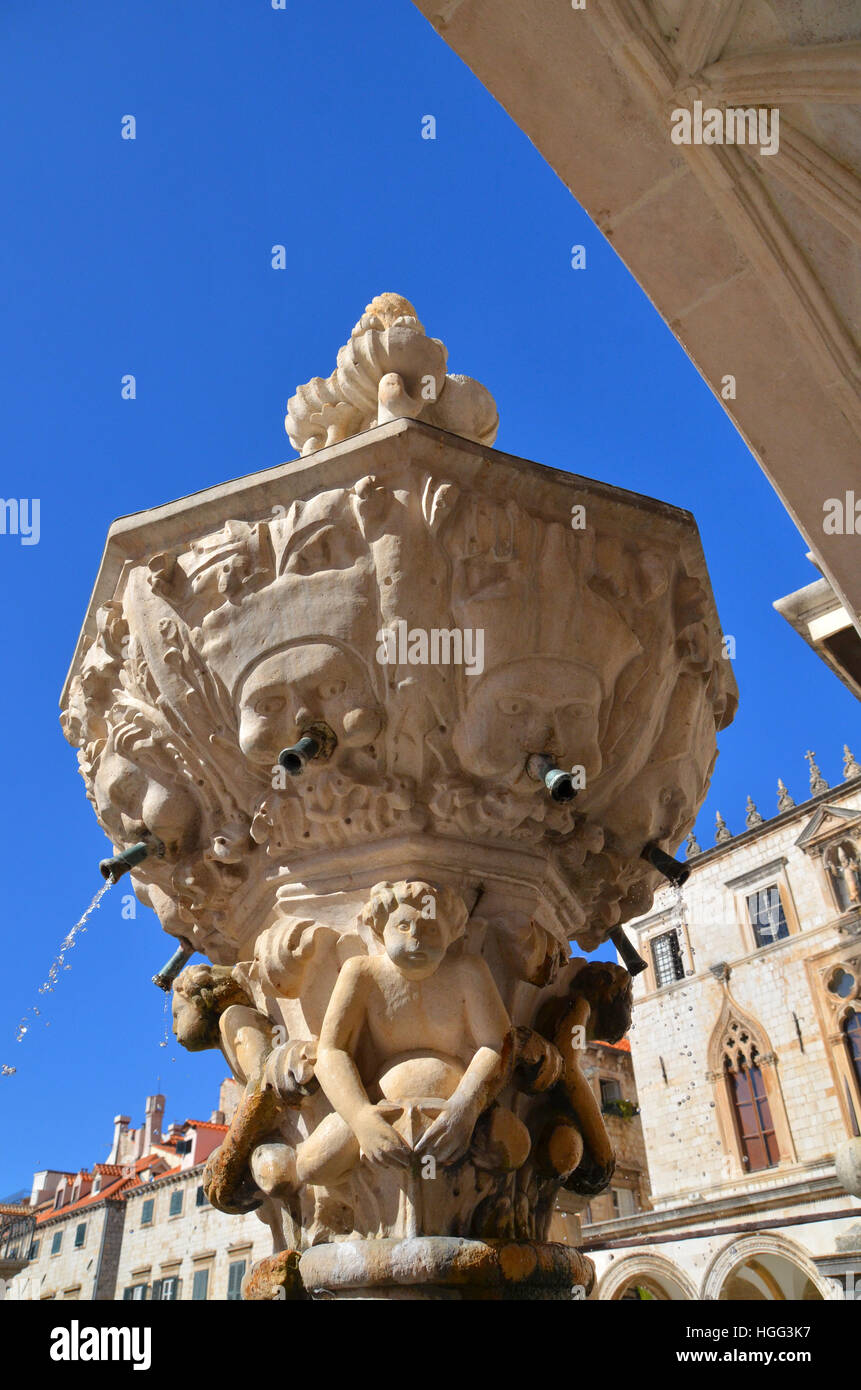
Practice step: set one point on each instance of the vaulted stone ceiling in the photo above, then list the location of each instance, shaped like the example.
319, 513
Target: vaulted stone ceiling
754, 260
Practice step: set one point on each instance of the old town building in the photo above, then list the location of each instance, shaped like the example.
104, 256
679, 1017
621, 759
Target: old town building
138, 1226
746, 1046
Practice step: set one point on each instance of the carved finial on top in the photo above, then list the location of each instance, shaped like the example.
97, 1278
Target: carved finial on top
691, 847
850, 767
722, 830
384, 311
389, 370
784, 800
817, 781
752, 818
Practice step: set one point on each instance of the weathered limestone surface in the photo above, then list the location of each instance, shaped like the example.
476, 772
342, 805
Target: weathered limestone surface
389, 931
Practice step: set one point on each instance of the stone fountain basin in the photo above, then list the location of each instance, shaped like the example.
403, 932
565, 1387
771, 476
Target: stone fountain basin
221, 621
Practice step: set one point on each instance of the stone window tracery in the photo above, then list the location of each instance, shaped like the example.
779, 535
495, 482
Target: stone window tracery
841, 983
750, 1110
836, 977
739, 1049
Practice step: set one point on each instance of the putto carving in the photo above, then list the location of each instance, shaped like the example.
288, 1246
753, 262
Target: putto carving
416, 1108
387, 912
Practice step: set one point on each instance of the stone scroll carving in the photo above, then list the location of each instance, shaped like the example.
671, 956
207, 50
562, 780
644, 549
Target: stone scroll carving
388, 934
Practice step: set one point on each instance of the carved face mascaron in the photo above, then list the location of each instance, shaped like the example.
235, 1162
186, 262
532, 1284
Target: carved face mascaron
307, 683
542, 705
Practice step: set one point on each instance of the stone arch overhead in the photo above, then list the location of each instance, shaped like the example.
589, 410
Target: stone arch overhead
762, 1243
649, 1266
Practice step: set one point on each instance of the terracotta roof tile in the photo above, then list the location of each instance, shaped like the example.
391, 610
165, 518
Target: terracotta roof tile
92, 1199
205, 1124
135, 1184
115, 1188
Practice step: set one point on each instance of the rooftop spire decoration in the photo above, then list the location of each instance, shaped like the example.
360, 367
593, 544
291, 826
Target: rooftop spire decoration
752, 817
817, 781
389, 370
784, 800
722, 830
850, 767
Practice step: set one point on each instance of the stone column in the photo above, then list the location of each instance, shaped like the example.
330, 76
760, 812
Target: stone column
385, 915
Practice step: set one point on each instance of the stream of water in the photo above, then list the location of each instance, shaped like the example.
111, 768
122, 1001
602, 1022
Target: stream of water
53, 976
678, 903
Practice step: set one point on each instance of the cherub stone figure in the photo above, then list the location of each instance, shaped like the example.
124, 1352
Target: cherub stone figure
435, 1028
201, 996
411, 1053
570, 1144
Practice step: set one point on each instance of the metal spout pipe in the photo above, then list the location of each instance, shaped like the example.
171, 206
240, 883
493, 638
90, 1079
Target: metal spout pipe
633, 961
317, 741
113, 869
168, 973
560, 784
296, 758
671, 868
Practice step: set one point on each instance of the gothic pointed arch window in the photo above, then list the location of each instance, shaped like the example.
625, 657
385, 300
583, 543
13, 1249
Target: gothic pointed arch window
750, 1110
851, 1029
754, 1126
838, 974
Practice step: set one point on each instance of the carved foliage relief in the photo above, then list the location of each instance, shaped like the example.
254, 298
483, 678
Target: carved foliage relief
214, 657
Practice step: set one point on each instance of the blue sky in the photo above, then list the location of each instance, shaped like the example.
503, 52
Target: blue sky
300, 127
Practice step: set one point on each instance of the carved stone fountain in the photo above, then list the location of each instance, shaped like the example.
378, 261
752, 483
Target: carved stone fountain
386, 934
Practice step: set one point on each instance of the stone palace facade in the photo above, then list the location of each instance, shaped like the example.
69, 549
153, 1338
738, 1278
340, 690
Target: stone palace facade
746, 1044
